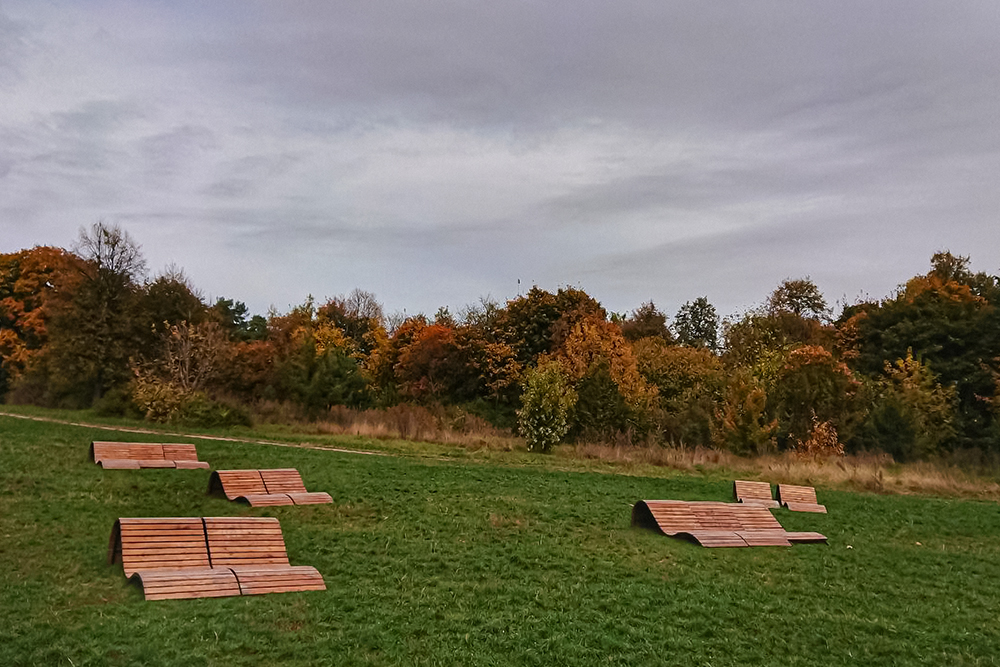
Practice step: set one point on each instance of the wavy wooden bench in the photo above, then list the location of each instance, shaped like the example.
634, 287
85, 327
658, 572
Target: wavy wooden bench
754, 493
178, 558
135, 455
281, 486
799, 498
715, 524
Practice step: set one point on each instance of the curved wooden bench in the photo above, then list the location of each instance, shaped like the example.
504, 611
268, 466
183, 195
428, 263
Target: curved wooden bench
135, 455
799, 498
281, 486
246, 486
754, 493
715, 524
174, 558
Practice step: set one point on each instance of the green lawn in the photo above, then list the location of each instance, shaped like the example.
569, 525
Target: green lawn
468, 562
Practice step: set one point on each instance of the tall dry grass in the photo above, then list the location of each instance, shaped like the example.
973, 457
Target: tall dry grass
859, 472
417, 423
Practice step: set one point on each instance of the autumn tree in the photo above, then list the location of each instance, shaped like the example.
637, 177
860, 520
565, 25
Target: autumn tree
96, 334
950, 320
34, 284
689, 381
646, 321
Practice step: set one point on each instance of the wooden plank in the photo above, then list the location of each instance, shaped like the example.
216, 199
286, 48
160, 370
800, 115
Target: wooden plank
315, 498
283, 480
259, 580
799, 498
174, 584
245, 541
755, 493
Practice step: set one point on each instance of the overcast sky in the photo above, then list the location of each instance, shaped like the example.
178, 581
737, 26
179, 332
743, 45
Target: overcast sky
436, 152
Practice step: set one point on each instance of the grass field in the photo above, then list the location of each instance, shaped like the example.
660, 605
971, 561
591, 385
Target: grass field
438, 560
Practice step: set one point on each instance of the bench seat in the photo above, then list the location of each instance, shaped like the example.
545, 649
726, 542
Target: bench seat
178, 558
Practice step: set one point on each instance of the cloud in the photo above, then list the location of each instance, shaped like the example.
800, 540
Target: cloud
439, 151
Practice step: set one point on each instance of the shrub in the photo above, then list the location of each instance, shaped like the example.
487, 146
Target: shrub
546, 404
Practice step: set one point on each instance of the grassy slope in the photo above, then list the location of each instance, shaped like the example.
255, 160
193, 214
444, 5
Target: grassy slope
466, 563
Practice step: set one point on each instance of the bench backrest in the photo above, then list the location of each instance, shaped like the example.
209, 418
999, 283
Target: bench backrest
158, 543
177, 451
745, 491
236, 541
236, 483
126, 450
788, 493
283, 480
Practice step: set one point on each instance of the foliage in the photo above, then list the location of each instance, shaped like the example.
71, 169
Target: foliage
689, 381
33, 284
646, 321
697, 324
742, 425
811, 386
822, 441
546, 404
947, 319
800, 298
912, 417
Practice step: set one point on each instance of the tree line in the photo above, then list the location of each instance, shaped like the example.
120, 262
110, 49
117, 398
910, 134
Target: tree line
915, 374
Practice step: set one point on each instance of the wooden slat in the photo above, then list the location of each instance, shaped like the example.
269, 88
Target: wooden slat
245, 541
316, 498
148, 543
799, 498
283, 480
267, 499
112, 455
236, 483
755, 493
176, 584
806, 537
259, 580
176, 451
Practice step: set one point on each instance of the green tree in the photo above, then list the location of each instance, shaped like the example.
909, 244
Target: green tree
697, 324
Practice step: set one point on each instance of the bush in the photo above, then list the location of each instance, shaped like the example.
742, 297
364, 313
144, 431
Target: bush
546, 402
197, 409
117, 402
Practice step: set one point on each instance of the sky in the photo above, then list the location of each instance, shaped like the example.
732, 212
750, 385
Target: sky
439, 152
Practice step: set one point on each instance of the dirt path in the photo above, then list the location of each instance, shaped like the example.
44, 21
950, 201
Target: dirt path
145, 431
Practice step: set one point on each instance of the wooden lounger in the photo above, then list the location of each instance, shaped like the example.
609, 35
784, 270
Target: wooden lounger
714, 524
177, 558
754, 493
135, 455
799, 498
282, 486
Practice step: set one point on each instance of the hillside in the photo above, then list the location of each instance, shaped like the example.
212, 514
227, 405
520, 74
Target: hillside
459, 562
